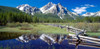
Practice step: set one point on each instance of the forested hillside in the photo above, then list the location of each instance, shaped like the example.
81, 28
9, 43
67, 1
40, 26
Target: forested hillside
8, 9
9, 15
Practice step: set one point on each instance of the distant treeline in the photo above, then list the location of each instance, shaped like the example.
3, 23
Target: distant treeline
92, 19
9, 17
13, 17
47, 18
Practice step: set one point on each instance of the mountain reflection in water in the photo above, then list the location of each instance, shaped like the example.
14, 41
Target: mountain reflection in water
39, 41
48, 38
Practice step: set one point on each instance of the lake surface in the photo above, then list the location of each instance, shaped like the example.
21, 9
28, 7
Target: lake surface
39, 41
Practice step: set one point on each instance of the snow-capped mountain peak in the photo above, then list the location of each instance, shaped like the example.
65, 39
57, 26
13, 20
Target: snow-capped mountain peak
56, 9
97, 13
47, 7
28, 9
25, 5
22, 7
89, 14
92, 14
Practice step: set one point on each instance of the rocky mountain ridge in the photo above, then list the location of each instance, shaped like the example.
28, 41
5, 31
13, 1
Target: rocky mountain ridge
57, 9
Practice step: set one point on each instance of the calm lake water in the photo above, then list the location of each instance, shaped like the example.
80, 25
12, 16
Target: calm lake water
38, 41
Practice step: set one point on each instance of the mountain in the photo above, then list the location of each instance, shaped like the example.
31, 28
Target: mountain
88, 14
97, 13
28, 9
75, 14
92, 14
56, 9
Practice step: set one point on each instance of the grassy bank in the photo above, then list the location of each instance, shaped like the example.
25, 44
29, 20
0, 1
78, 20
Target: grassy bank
49, 29
32, 28
93, 29
41, 28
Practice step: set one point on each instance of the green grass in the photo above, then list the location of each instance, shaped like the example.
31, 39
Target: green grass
93, 33
50, 29
37, 28
40, 28
16, 28
8, 29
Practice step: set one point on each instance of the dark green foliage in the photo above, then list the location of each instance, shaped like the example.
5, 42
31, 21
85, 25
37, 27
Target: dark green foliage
92, 19
14, 17
68, 17
9, 15
89, 19
35, 19
3, 19
8, 9
6, 36
47, 18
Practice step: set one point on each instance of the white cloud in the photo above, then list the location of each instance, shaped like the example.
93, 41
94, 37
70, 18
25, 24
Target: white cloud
88, 5
79, 10
82, 9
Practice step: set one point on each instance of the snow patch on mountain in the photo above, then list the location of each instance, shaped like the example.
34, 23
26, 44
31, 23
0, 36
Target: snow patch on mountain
92, 14
28, 9
57, 9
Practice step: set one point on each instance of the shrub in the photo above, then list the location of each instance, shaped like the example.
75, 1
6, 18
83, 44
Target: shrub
81, 25
13, 24
94, 27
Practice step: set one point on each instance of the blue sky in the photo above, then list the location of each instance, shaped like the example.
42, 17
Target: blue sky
78, 6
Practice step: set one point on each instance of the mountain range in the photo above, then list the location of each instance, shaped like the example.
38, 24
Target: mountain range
52, 8
28, 9
92, 14
56, 9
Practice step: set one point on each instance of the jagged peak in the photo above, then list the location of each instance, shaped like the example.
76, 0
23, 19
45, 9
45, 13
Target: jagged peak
59, 3
23, 5
66, 8
26, 4
48, 8
50, 3
34, 7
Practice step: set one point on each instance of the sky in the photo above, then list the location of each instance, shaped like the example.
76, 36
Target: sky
78, 6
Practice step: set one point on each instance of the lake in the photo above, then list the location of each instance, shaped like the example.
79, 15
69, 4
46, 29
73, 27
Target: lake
37, 41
